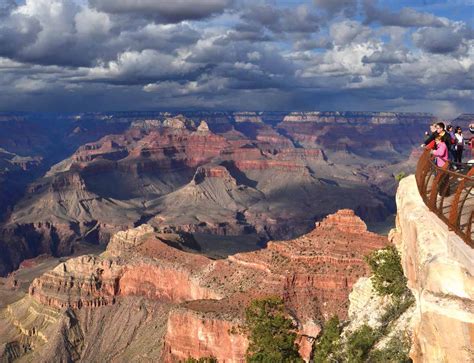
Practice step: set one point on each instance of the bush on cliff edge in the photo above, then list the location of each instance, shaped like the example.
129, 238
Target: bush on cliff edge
271, 333
388, 277
329, 342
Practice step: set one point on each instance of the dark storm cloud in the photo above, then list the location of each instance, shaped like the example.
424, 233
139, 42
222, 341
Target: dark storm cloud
405, 17
16, 33
441, 40
65, 55
165, 11
301, 19
386, 57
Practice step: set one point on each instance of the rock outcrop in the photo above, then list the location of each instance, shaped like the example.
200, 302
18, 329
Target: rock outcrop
206, 298
288, 169
439, 267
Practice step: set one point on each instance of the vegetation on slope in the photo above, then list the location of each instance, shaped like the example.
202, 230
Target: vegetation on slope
359, 346
201, 360
271, 333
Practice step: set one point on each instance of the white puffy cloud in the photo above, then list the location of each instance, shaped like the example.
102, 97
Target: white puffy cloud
90, 22
346, 31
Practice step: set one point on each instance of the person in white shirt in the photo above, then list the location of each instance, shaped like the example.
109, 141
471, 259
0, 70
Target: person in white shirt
459, 145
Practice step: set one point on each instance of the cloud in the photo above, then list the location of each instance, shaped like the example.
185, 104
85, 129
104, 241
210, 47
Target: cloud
70, 55
90, 22
347, 31
387, 56
301, 19
332, 7
439, 40
406, 17
133, 67
165, 11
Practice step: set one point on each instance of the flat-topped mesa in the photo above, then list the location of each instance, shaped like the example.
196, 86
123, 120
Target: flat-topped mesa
268, 164
344, 220
248, 117
358, 117
179, 122
126, 241
83, 281
212, 171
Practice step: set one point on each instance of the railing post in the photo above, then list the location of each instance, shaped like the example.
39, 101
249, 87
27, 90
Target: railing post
454, 212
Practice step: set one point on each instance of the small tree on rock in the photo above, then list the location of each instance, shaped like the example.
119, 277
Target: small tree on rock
271, 333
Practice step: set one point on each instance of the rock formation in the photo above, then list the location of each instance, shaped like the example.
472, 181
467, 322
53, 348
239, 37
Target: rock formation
439, 267
251, 178
205, 298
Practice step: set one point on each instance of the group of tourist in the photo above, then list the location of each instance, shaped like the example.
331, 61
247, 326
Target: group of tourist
446, 143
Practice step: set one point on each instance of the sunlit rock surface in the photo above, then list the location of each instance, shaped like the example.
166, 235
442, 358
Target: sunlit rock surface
440, 271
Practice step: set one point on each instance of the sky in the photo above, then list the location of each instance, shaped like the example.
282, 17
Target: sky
282, 55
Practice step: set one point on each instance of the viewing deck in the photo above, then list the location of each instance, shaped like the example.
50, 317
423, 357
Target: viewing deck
449, 194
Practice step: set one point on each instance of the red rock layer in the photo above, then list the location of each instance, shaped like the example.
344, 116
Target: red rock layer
203, 336
314, 274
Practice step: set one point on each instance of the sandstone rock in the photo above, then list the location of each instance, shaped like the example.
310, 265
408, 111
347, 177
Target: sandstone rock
439, 267
314, 274
203, 127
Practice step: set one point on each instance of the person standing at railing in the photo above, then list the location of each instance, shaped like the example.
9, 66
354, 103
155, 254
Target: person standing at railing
441, 151
430, 137
452, 145
459, 145
439, 130
471, 141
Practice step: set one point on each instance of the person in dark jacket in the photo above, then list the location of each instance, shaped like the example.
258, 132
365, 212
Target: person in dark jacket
440, 130
451, 145
430, 137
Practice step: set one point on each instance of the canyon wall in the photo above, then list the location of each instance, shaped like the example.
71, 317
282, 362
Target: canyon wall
439, 267
202, 301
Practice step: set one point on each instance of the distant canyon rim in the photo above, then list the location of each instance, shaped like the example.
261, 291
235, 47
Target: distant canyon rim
224, 182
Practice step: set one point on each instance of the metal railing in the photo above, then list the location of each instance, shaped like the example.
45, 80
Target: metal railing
448, 193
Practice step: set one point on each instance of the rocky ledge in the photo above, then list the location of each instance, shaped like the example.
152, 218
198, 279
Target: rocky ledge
206, 298
439, 267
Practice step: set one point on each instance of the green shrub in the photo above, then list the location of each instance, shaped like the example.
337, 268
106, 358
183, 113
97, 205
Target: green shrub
396, 351
396, 308
399, 176
329, 342
359, 344
201, 360
271, 333
387, 273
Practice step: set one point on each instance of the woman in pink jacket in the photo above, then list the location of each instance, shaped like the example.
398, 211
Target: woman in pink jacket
441, 152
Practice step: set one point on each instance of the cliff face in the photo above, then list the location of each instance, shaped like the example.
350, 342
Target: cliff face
289, 169
203, 300
439, 267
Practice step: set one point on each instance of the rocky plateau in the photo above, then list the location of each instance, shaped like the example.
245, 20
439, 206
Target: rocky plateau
246, 177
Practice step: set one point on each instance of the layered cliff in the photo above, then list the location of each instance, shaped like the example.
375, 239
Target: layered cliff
202, 300
250, 180
439, 267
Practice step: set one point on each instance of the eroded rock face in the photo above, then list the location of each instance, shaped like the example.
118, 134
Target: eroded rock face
284, 170
439, 267
314, 274
195, 333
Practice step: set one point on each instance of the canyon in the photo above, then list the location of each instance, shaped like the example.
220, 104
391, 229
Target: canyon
244, 177
164, 227
195, 303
